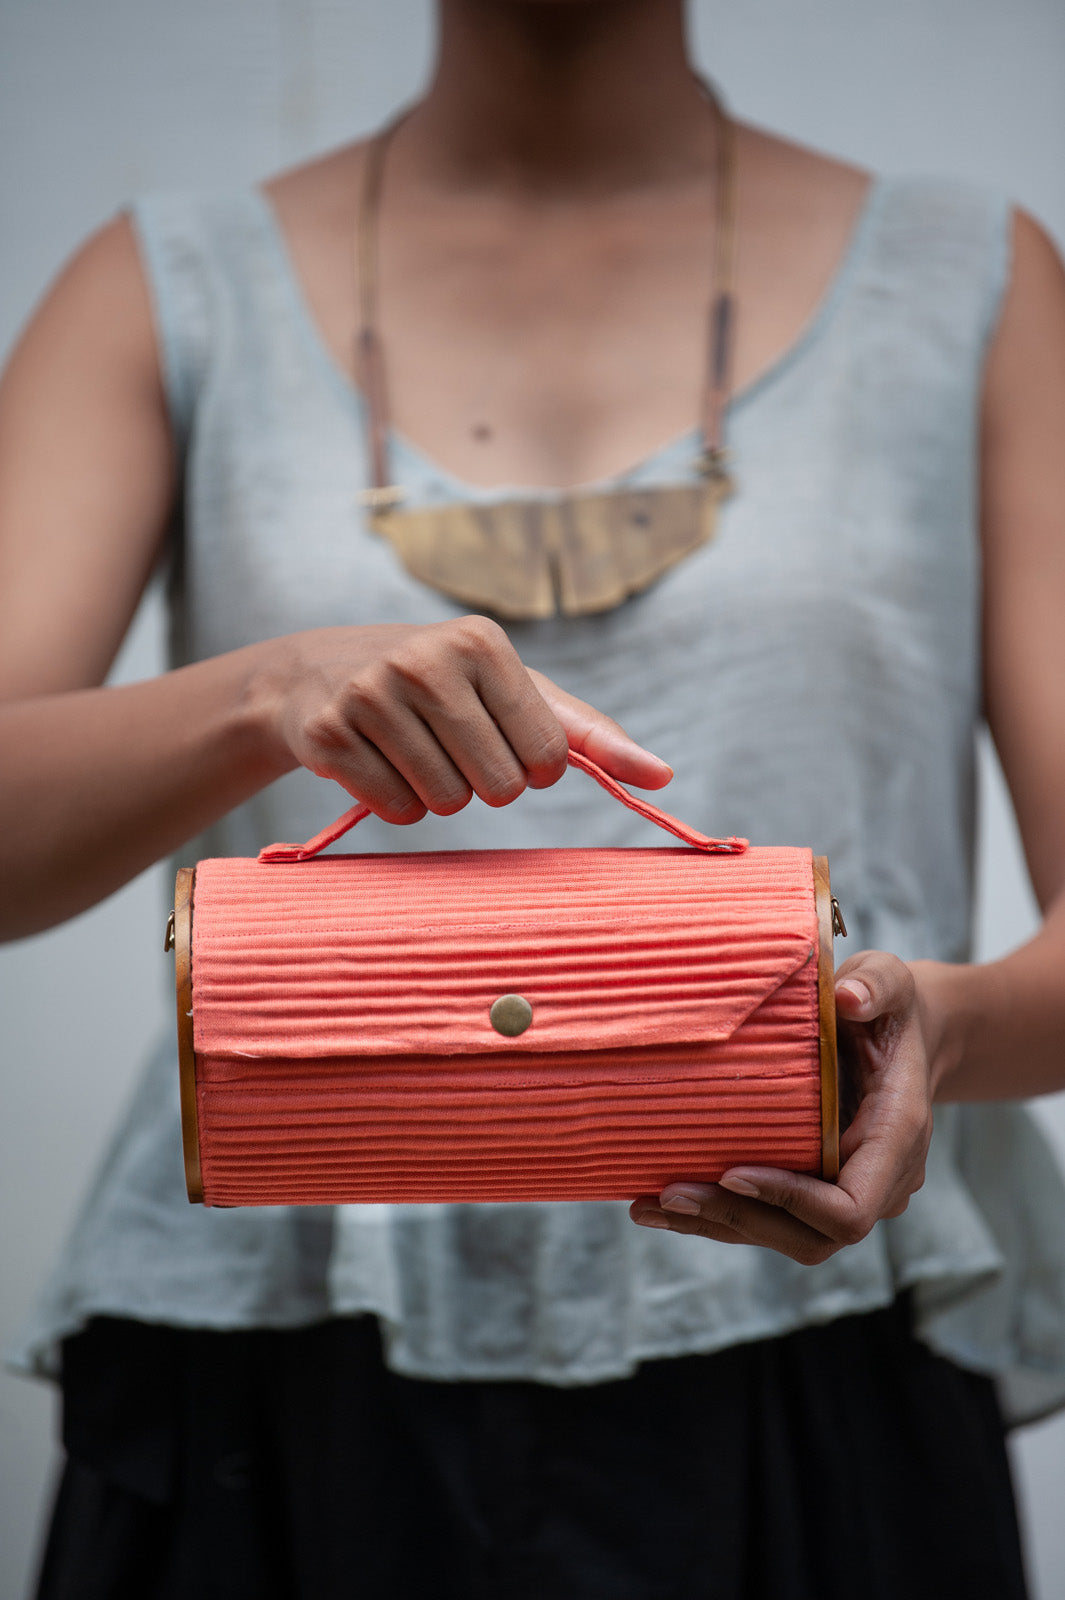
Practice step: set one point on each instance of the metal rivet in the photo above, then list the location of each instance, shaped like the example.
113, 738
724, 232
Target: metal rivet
510, 1014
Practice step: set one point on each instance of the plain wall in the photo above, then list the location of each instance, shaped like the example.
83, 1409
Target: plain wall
102, 99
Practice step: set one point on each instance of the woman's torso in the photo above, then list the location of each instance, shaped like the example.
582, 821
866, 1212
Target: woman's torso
812, 675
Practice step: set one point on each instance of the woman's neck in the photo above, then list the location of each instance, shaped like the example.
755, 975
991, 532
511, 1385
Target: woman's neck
560, 97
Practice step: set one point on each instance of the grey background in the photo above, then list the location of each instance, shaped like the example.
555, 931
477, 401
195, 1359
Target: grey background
101, 99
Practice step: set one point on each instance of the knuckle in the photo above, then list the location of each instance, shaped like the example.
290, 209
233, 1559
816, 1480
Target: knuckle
478, 637
418, 669
910, 1133
363, 699
401, 807
551, 750
921, 1137
500, 788
327, 730
905, 1189
852, 1230
444, 799
892, 977
914, 1138
729, 1214
613, 724
889, 980
812, 1252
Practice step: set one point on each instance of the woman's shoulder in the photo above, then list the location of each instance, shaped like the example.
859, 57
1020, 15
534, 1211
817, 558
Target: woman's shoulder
802, 185
325, 185
194, 223
900, 254
314, 207
783, 173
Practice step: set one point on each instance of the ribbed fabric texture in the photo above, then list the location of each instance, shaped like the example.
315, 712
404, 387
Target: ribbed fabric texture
345, 1051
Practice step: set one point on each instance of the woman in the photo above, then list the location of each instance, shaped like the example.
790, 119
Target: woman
546, 229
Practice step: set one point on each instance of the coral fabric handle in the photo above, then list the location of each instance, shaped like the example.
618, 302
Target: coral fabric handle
644, 808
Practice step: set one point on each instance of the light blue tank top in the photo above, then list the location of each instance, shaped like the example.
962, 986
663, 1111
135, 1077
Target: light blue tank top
813, 677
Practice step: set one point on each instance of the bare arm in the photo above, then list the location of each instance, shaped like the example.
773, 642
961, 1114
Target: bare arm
935, 1030
998, 1030
99, 782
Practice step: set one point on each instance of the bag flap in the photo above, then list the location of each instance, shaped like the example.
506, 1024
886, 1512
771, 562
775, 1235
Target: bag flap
406, 954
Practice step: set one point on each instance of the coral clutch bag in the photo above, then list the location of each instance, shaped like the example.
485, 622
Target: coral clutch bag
575, 1024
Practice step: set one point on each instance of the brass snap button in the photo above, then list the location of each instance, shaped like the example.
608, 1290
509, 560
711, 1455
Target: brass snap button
510, 1014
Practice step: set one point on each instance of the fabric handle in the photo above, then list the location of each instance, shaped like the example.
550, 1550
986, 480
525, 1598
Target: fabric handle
687, 835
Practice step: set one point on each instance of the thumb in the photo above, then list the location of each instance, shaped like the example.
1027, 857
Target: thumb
603, 740
871, 983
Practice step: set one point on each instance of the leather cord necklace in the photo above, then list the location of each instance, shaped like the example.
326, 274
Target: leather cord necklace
578, 551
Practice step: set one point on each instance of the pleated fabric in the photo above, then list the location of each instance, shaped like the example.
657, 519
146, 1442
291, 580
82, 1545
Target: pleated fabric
345, 1050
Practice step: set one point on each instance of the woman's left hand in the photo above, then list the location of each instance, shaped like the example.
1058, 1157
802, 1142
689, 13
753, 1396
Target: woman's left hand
883, 1150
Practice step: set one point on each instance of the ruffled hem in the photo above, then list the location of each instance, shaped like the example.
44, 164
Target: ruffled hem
571, 1295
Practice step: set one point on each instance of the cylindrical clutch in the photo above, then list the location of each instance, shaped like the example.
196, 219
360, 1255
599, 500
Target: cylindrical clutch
574, 1024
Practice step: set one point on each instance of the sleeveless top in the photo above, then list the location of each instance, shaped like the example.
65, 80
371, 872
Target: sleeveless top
812, 675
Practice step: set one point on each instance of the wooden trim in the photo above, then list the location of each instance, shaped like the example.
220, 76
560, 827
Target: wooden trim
826, 1007
184, 889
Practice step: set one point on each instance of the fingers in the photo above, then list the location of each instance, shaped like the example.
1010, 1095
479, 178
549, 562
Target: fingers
423, 711
871, 984
603, 740
416, 719
647, 1211
884, 1149
804, 1217
423, 718
411, 761
329, 746
779, 1215
512, 705
712, 1212
796, 1215
541, 722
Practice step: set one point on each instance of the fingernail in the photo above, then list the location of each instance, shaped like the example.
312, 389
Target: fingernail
682, 1203
858, 990
651, 1219
739, 1186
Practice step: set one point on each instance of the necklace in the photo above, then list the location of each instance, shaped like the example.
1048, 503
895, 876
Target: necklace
576, 552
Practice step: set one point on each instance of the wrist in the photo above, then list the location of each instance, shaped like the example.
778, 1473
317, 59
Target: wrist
266, 669
943, 992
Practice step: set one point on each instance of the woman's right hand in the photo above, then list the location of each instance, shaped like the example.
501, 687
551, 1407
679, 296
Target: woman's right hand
411, 719
99, 783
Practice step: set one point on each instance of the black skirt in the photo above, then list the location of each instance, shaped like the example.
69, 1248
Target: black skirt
839, 1461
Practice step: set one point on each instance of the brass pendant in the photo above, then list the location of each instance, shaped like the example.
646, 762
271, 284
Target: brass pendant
576, 554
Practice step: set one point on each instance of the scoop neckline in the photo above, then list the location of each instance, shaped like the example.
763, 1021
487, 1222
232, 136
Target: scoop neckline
811, 332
